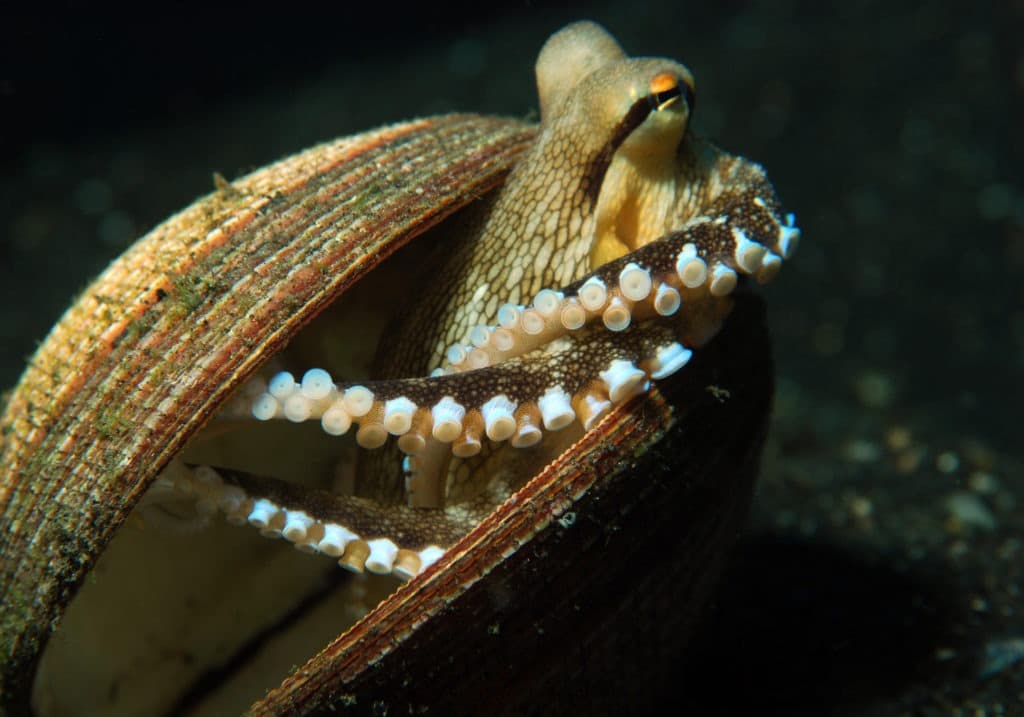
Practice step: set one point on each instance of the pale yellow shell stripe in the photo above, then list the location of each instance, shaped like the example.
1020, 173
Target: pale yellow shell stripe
171, 328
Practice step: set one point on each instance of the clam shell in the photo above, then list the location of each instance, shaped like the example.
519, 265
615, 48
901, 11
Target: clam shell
588, 576
147, 353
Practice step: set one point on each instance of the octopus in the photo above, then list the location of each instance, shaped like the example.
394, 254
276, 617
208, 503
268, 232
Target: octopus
608, 257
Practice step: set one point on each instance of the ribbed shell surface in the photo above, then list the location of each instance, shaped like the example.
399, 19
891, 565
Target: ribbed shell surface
156, 343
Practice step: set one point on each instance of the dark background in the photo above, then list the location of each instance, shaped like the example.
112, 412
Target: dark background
881, 574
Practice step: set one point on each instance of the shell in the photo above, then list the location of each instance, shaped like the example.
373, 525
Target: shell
181, 319
603, 559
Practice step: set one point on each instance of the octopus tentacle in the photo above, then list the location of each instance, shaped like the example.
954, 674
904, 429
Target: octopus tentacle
749, 236
579, 378
359, 533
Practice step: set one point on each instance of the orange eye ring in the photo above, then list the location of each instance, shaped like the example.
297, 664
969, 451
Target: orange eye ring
666, 87
663, 82
664, 90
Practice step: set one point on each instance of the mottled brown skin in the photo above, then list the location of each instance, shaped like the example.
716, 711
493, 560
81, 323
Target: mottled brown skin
541, 231
538, 233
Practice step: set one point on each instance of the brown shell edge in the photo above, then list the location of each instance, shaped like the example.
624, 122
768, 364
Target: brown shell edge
144, 357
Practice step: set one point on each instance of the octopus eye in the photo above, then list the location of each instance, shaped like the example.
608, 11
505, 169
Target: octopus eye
666, 88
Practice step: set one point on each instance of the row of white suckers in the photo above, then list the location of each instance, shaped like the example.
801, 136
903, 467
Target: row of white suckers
522, 328
448, 421
317, 396
379, 555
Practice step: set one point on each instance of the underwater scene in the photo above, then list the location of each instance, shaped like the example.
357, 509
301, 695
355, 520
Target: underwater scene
875, 567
